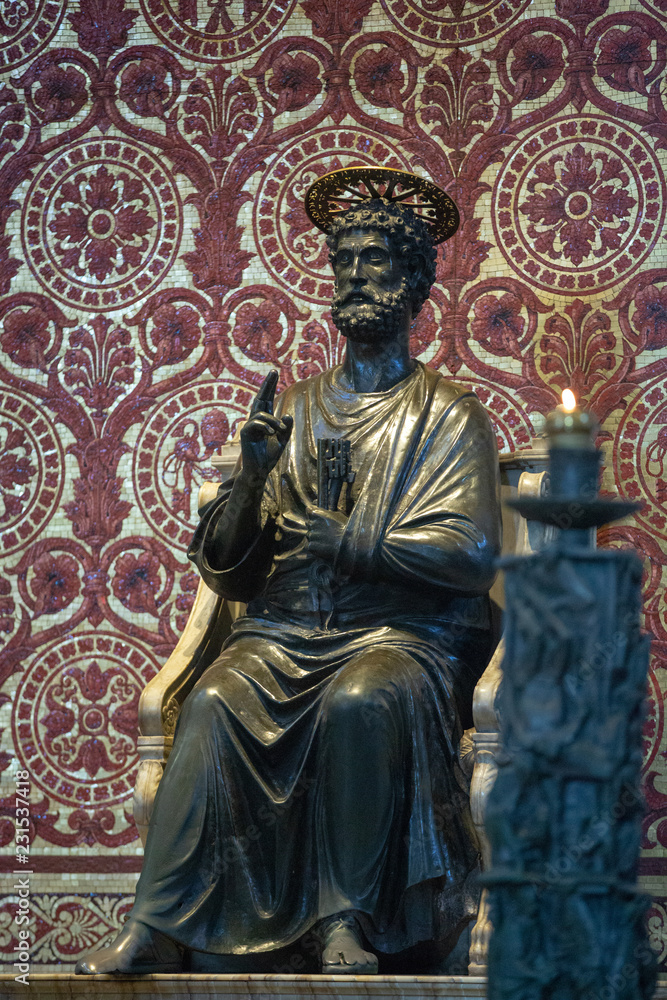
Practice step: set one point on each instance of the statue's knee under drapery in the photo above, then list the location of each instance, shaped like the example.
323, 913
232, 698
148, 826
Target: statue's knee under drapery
312, 775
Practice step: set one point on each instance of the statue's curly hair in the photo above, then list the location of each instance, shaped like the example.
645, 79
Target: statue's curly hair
408, 234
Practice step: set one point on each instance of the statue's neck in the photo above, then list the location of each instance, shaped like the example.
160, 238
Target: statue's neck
377, 367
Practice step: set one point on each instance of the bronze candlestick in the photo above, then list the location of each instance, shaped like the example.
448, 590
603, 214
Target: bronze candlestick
564, 815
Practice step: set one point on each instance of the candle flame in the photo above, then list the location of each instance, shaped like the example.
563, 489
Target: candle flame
569, 400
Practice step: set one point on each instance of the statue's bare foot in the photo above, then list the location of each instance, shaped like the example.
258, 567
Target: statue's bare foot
342, 953
138, 950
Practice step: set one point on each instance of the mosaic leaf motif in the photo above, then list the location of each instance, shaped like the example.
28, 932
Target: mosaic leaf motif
155, 260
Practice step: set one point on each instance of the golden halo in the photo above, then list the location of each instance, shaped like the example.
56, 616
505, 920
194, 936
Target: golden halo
341, 190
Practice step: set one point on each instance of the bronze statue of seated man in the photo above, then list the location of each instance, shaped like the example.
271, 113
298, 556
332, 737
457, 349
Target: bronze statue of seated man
314, 784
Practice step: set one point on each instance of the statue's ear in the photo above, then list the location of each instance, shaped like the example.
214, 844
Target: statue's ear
415, 264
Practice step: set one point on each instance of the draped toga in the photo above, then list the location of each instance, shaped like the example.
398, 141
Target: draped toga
315, 766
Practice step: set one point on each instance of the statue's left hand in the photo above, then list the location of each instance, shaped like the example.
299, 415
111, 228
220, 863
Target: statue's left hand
324, 532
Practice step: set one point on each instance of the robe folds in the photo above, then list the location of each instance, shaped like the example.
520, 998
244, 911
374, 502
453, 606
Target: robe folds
315, 765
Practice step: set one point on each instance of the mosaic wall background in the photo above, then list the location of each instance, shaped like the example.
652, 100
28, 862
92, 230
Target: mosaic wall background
155, 261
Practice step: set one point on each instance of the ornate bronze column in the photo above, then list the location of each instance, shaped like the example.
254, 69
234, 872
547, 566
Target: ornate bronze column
563, 817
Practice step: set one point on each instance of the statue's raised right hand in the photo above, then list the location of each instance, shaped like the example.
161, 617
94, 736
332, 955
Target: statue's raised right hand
264, 436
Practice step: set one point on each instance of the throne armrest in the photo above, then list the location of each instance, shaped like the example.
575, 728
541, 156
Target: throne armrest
524, 474
208, 626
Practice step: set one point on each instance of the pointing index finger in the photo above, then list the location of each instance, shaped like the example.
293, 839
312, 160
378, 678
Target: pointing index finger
263, 402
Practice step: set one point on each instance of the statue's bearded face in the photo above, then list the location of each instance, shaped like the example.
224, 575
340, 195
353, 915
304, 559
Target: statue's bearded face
372, 297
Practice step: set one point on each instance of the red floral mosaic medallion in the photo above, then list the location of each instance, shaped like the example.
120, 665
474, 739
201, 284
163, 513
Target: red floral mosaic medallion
102, 224
211, 31
511, 425
640, 455
452, 22
292, 249
26, 27
31, 471
173, 454
579, 205
75, 718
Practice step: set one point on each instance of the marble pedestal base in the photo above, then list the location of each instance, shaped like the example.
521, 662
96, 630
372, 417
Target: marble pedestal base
66, 986
191, 986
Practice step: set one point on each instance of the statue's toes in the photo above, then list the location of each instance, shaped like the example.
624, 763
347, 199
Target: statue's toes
357, 963
101, 964
136, 951
371, 964
366, 964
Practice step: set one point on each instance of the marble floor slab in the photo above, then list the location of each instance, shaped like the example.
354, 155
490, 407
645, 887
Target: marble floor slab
239, 987
193, 987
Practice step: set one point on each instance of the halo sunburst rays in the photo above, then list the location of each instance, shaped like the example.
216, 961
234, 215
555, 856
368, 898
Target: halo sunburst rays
338, 191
